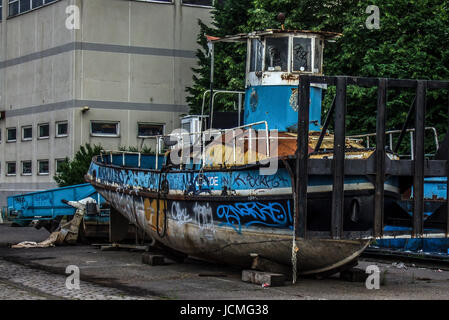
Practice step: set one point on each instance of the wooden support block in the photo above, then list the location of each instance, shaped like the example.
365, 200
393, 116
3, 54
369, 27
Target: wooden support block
262, 264
153, 259
354, 275
258, 277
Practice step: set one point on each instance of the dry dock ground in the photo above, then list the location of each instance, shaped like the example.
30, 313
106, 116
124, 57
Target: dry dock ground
39, 273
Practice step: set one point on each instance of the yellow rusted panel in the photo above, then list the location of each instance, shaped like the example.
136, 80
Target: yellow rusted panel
150, 208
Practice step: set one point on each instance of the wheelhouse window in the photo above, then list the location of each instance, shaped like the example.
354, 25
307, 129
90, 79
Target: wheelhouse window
276, 54
10, 168
44, 131
43, 167
318, 55
26, 168
27, 133
62, 129
302, 54
104, 128
11, 135
255, 63
149, 129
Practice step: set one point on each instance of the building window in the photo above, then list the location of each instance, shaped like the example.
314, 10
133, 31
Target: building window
26, 168
27, 133
21, 6
104, 129
11, 134
62, 129
10, 168
44, 131
149, 129
1, 9
165, 1
58, 164
43, 167
204, 3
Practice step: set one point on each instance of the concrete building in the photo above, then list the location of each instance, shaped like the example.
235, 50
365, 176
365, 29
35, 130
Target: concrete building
116, 74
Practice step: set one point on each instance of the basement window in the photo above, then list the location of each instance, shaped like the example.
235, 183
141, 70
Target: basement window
202, 3
44, 131
10, 168
149, 130
59, 162
104, 128
27, 133
26, 168
11, 135
43, 167
62, 129
164, 1
17, 7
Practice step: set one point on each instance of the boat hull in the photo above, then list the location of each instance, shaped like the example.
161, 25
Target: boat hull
229, 232
226, 216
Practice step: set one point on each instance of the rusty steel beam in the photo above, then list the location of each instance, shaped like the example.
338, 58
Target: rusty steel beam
405, 125
447, 175
339, 160
418, 178
325, 126
373, 82
380, 158
447, 197
302, 157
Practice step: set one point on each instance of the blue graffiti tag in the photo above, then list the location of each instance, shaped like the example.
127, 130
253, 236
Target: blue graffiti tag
272, 214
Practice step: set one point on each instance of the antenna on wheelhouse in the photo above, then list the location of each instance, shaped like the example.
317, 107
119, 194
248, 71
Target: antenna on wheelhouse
281, 19
210, 53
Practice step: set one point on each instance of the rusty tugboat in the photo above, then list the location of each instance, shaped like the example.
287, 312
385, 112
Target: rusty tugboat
278, 185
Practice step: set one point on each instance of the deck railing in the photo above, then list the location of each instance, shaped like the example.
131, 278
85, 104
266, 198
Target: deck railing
183, 141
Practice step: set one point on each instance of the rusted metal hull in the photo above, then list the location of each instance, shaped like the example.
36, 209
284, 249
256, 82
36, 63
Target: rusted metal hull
211, 230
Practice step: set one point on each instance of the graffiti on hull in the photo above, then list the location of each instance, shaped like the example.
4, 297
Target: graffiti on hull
270, 214
146, 212
139, 211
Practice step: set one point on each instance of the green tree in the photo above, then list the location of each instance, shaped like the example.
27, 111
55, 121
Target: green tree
412, 43
230, 18
71, 172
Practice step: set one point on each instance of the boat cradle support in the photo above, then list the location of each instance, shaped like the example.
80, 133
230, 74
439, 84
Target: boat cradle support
378, 166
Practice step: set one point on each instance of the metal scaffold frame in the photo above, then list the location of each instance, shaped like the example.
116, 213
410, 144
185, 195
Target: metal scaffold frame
379, 166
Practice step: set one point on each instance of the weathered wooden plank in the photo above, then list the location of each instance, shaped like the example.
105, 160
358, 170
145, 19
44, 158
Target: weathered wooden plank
419, 157
380, 158
339, 160
302, 157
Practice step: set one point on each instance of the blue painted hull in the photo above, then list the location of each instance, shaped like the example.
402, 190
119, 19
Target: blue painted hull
229, 214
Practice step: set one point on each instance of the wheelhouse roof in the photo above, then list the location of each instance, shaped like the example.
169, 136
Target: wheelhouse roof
243, 36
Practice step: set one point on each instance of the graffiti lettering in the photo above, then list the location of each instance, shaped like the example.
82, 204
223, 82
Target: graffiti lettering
258, 181
204, 216
179, 214
272, 214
